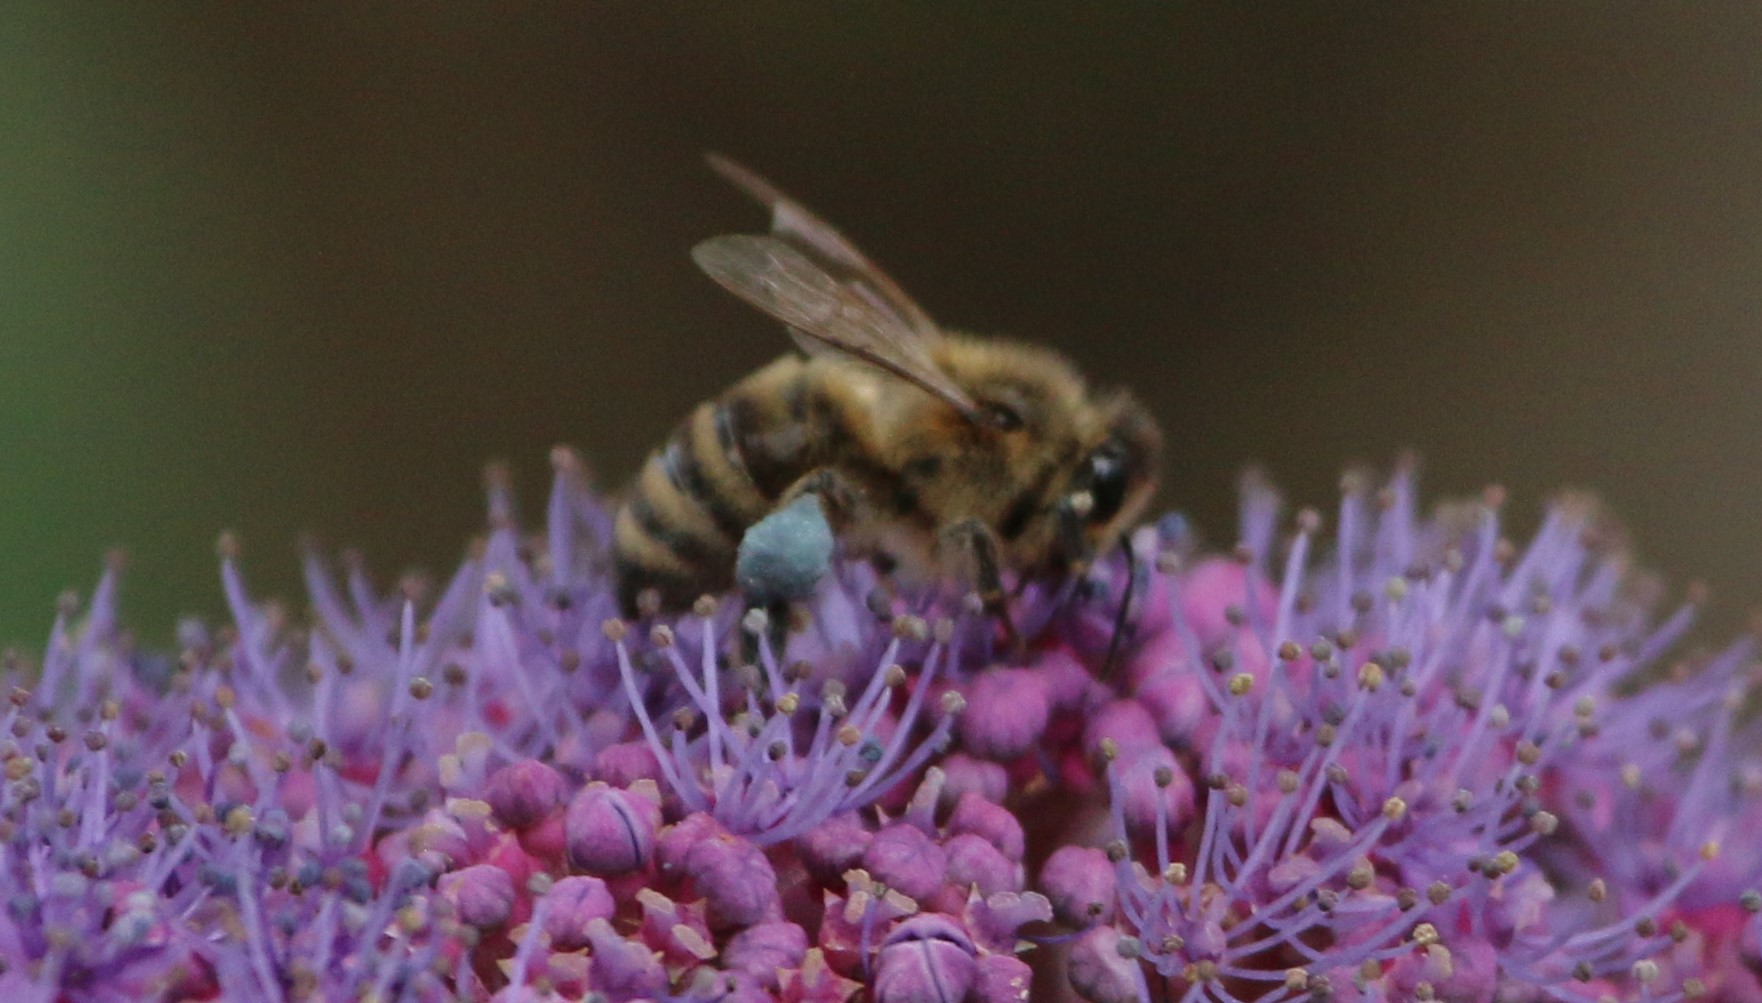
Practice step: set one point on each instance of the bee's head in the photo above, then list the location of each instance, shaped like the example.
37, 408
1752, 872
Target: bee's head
1112, 481
1054, 467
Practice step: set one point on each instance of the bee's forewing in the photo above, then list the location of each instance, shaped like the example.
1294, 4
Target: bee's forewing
775, 276
795, 224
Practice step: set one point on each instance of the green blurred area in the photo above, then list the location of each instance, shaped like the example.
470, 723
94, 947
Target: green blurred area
290, 268
93, 447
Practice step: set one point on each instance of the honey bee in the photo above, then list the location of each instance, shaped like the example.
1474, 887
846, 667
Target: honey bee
935, 453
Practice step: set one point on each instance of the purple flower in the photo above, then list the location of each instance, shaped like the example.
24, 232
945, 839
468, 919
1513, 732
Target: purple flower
1416, 770
774, 761
1415, 762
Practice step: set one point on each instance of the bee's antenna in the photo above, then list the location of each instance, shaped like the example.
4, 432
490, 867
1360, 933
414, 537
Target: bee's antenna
1119, 620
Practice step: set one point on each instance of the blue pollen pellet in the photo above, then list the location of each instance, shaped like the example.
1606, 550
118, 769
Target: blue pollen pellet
785, 554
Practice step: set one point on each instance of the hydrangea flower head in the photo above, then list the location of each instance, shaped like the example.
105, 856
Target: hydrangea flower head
1406, 760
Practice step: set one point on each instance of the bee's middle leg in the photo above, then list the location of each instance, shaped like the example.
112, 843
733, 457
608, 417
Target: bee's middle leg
975, 545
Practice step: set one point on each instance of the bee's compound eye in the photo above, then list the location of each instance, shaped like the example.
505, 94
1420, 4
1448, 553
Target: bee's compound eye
1107, 481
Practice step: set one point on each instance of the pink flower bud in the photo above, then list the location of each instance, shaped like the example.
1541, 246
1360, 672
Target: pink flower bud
833, 847
1177, 701
736, 881
1142, 783
1126, 722
1079, 881
1212, 588
523, 793
927, 959
991, 822
610, 831
625, 969
1068, 682
1006, 714
676, 841
572, 904
765, 950
963, 773
625, 763
902, 857
484, 895
1001, 978
1099, 972
973, 862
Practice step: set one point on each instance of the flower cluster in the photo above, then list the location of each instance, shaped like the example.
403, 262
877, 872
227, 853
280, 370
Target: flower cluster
1417, 762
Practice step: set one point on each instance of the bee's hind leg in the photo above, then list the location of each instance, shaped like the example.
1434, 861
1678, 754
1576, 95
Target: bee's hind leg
840, 498
784, 556
972, 546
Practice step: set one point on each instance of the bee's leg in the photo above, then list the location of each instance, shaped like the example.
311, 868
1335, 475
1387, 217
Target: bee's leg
1120, 625
975, 541
1072, 541
839, 500
880, 598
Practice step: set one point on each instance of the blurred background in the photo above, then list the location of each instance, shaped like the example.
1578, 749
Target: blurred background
288, 268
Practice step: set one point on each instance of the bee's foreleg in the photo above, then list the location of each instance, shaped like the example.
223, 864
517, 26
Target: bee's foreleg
1121, 626
975, 545
1073, 542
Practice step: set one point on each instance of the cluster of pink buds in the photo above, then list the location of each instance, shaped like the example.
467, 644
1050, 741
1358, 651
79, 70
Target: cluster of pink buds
1403, 760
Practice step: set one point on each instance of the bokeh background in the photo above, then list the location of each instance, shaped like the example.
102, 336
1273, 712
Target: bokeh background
288, 268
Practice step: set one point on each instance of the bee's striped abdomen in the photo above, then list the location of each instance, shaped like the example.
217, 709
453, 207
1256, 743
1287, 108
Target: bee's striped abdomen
722, 470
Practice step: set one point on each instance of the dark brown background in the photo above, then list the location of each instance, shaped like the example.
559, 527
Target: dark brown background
290, 267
